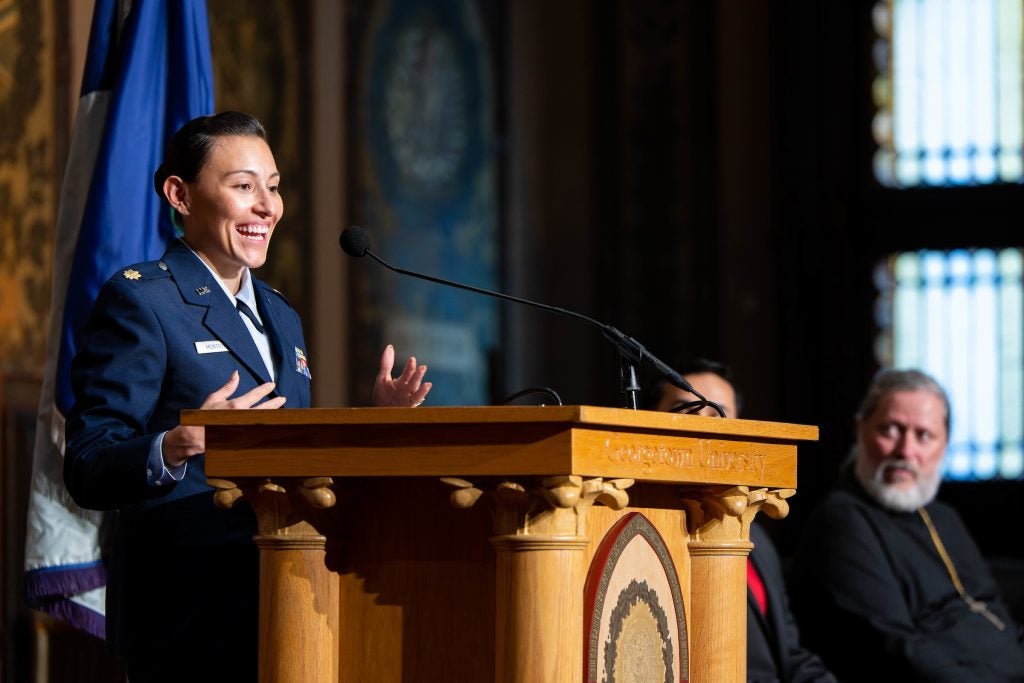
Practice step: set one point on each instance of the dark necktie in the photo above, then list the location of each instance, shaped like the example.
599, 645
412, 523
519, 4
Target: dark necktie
247, 312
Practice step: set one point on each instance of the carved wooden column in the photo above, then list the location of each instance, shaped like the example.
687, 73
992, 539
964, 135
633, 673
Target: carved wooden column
541, 544
718, 519
298, 595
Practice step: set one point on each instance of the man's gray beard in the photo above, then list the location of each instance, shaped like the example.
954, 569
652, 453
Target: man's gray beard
888, 495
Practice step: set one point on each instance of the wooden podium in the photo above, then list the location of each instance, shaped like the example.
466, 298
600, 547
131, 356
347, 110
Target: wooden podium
526, 544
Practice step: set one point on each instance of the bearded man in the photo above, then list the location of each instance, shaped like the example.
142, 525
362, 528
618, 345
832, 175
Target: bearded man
888, 583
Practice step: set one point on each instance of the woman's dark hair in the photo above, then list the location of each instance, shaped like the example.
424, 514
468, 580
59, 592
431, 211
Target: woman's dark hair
189, 148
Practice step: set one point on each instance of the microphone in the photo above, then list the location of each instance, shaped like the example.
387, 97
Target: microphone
356, 243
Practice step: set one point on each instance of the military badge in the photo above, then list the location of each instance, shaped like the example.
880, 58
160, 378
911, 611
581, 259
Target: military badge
202, 290
301, 364
132, 274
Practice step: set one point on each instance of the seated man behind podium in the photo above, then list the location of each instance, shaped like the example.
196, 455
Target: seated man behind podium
774, 653
891, 585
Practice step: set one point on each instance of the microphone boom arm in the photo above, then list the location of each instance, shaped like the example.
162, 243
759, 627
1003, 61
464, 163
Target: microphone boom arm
632, 351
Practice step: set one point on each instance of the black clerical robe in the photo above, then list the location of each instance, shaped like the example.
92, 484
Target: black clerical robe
875, 601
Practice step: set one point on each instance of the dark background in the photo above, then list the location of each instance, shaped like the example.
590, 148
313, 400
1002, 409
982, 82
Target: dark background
697, 174
705, 173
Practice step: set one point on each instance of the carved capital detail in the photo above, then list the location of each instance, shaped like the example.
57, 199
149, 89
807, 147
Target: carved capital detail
554, 507
721, 516
225, 493
286, 510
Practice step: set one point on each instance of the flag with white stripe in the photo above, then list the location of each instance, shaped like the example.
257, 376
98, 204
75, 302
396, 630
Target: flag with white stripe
148, 71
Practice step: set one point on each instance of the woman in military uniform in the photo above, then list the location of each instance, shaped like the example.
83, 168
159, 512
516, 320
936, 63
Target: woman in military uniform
192, 330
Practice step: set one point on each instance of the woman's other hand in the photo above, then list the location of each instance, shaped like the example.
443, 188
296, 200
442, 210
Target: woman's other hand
408, 390
184, 442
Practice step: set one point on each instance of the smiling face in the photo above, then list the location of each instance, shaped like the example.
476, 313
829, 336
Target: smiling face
231, 208
900, 447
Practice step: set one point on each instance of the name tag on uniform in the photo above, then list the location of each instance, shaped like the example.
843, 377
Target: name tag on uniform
212, 346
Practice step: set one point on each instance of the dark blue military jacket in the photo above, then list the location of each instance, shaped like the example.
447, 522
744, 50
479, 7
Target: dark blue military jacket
180, 570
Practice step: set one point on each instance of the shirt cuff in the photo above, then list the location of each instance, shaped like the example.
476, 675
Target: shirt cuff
157, 473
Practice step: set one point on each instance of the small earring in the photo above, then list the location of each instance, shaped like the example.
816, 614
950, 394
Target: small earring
183, 210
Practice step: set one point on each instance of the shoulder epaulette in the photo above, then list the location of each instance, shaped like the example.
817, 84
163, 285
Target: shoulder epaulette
264, 286
148, 270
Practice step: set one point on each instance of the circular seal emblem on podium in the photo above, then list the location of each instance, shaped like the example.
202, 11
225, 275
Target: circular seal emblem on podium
633, 609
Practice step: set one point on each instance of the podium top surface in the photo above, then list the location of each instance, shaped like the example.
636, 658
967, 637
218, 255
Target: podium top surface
499, 441
581, 415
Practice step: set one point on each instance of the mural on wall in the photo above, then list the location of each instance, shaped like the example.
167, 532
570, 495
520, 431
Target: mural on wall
259, 67
427, 195
29, 143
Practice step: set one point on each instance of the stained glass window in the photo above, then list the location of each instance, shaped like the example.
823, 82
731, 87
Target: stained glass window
948, 92
959, 316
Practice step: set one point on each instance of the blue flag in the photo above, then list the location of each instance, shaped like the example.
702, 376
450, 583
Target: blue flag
147, 72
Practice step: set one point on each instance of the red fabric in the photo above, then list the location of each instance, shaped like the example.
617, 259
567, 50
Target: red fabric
756, 586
